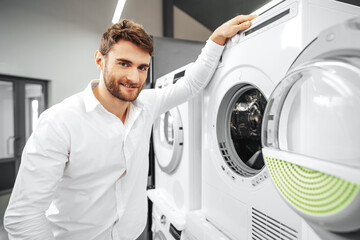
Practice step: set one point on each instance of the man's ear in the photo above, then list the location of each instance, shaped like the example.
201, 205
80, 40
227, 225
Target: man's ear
99, 60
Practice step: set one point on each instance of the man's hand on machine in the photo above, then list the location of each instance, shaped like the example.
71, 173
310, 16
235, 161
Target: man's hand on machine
231, 27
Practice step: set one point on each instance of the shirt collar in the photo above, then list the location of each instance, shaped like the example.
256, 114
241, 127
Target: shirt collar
91, 102
138, 103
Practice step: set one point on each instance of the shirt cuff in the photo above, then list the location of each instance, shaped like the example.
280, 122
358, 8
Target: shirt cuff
213, 48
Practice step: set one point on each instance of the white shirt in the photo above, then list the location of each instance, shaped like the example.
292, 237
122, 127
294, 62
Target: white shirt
83, 173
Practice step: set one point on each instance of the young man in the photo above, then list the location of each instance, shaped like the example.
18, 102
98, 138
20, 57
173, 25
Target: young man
83, 173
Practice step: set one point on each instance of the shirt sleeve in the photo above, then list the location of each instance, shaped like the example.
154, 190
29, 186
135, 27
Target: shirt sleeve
196, 78
42, 165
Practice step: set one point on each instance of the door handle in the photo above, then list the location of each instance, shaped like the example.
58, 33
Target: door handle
8, 145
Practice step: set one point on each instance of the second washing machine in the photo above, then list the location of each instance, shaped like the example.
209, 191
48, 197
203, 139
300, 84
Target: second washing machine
177, 145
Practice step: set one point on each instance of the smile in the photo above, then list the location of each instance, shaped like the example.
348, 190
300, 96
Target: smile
128, 86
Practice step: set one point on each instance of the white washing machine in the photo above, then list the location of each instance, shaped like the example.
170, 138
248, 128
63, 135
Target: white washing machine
237, 195
199, 228
177, 145
162, 228
311, 134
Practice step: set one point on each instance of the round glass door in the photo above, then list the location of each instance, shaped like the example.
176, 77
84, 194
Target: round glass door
315, 111
239, 124
166, 129
312, 123
168, 140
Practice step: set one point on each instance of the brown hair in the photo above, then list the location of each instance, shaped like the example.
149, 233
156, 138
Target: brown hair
126, 30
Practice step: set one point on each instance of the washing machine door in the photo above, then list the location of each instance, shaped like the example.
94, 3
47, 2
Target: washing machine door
239, 122
168, 140
311, 132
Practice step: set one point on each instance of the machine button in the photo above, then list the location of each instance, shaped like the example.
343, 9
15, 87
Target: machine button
163, 219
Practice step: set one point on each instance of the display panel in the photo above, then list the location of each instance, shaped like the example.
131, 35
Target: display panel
267, 22
178, 75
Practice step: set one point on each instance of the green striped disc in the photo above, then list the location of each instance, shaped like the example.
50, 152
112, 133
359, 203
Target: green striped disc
312, 192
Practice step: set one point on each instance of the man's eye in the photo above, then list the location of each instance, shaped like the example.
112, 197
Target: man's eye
123, 64
142, 68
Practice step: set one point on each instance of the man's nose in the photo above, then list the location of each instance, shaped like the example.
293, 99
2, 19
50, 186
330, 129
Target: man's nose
133, 75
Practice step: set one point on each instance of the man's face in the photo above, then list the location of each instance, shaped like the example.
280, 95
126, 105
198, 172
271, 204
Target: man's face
125, 70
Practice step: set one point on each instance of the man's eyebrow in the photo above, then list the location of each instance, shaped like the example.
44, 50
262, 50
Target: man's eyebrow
144, 65
123, 60
128, 61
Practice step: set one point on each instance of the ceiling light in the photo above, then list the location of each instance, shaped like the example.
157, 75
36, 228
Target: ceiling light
118, 10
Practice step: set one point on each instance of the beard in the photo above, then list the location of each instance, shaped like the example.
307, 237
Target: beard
115, 87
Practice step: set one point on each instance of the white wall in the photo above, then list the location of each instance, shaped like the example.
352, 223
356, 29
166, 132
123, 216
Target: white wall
56, 40
44, 39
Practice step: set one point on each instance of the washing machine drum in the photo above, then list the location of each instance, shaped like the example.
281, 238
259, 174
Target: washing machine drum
239, 122
311, 133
